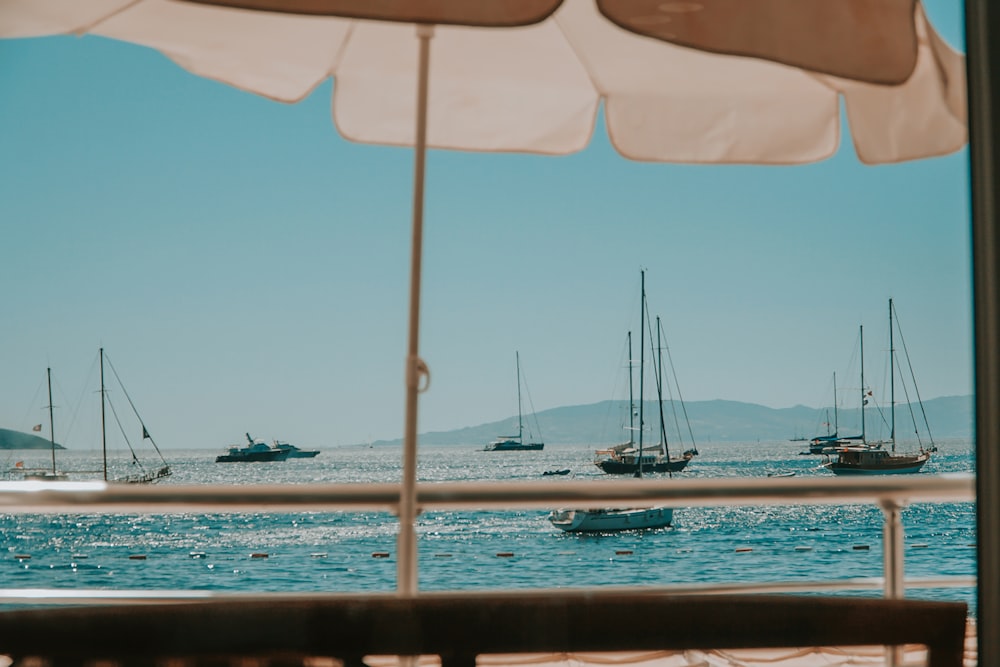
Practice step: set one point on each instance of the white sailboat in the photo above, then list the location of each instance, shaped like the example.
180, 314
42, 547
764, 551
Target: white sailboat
515, 443
52, 474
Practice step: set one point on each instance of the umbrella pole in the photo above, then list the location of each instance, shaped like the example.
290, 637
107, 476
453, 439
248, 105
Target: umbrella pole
416, 369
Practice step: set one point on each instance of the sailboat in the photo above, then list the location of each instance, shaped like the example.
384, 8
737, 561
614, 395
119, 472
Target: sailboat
821, 444
629, 518
515, 443
631, 458
872, 458
140, 475
48, 474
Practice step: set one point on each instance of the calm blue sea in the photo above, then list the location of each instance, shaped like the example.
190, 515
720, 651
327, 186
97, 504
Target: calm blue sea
333, 552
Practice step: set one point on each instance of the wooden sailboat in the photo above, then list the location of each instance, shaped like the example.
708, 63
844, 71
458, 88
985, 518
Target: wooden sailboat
865, 458
48, 474
514, 443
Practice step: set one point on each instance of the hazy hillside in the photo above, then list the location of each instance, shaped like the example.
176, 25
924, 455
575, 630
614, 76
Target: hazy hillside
17, 440
711, 421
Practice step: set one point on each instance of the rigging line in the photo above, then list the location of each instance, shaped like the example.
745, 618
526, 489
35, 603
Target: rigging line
613, 403
534, 415
33, 403
658, 353
134, 410
659, 380
913, 377
909, 405
76, 409
121, 429
687, 420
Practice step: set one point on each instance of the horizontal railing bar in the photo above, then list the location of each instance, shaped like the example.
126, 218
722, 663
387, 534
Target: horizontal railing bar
100, 596
50, 497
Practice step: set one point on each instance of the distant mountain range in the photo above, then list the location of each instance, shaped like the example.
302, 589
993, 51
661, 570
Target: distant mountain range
17, 440
711, 421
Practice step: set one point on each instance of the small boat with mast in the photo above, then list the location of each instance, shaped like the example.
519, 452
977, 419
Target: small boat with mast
52, 474
515, 443
631, 457
139, 475
871, 458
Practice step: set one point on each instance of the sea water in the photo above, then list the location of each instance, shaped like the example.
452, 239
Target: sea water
355, 551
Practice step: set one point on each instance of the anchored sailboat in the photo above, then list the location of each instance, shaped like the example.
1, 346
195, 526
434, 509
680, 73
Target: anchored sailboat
48, 474
871, 458
513, 443
140, 474
631, 458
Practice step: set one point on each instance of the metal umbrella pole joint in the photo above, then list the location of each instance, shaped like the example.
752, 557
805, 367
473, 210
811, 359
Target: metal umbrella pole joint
417, 373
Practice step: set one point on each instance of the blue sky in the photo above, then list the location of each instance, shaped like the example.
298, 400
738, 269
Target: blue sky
247, 269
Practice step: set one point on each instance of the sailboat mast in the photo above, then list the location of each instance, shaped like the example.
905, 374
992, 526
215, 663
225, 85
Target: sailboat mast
861, 335
631, 399
104, 436
659, 390
836, 425
642, 345
52, 429
892, 384
520, 424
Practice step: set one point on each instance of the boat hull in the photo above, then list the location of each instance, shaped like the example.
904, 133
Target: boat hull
618, 467
252, 457
46, 476
508, 446
145, 477
609, 520
876, 462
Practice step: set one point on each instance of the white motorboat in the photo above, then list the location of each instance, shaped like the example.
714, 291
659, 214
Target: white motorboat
598, 520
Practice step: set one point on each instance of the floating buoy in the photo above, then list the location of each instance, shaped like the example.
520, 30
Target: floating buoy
259, 554
318, 554
624, 552
137, 557
860, 547
803, 548
197, 554
79, 556
505, 554
22, 557
919, 546
380, 554
743, 550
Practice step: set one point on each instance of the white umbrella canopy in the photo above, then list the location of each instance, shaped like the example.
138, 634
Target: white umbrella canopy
537, 88
692, 81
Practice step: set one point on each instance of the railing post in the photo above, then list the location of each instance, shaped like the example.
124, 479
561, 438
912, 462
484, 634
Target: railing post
892, 563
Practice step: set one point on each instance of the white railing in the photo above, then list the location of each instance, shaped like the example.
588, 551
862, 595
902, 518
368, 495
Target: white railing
891, 494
